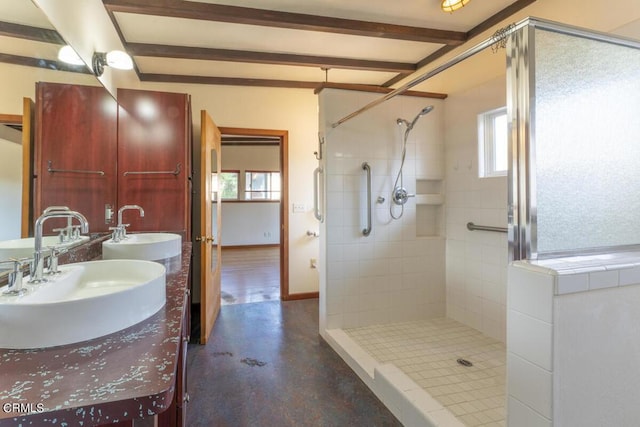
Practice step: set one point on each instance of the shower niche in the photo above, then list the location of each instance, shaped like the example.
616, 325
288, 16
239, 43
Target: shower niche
429, 208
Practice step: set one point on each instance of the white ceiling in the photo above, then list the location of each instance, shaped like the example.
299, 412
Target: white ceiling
304, 51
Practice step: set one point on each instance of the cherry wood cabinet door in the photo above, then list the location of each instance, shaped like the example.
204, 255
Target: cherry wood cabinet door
75, 152
154, 159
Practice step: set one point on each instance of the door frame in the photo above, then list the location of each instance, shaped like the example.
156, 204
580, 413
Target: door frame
284, 197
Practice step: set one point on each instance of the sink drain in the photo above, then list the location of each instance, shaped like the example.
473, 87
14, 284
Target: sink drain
464, 362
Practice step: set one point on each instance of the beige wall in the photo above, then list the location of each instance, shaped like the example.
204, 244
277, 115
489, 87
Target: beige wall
294, 110
10, 188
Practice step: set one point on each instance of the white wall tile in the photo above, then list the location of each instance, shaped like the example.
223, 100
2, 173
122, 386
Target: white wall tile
569, 283
520, 415
629, 276
530, 384
530, 292
603, 279
530, 339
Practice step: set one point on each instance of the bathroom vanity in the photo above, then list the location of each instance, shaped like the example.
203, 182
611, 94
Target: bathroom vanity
134, 377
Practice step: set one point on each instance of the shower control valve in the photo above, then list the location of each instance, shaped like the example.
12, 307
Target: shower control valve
400, 196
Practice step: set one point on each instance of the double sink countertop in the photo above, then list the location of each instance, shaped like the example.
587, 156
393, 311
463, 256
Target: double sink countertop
128, 374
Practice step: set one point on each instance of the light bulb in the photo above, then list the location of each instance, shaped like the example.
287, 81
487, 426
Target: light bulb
68, 55
120, 60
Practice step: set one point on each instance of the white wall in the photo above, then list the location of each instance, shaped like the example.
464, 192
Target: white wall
11, 189
293, 110
476, 260
393, 274
249, 223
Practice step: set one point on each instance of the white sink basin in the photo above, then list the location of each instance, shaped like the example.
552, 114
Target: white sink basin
87, 300
23, 248
147, 246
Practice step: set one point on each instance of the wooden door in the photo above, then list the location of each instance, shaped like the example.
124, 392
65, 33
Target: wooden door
211, 257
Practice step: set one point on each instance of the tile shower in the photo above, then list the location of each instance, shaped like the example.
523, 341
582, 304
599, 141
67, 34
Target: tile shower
387, 295
403, 304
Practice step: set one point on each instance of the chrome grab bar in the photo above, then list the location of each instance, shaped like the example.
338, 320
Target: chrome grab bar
50, 169
472, 227
316, 185
174, 172
366, 167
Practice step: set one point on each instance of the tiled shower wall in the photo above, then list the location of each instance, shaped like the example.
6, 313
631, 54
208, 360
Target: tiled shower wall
476, 261
393, 274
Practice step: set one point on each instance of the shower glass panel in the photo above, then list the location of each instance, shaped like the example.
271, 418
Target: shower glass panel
584, 152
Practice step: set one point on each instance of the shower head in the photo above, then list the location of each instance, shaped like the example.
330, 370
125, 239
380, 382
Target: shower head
426, 110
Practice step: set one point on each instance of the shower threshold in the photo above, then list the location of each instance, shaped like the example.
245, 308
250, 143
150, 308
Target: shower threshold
420, 370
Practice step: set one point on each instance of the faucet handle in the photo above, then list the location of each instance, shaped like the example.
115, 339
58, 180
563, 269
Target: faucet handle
56, 251
75, 232
63, 234
14, 287
116, 233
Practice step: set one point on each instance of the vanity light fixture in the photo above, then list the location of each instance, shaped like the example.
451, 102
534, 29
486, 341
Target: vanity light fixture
452, 5
114, 59
68, 55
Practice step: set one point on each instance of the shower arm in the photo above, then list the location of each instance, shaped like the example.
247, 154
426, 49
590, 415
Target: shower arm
426, 76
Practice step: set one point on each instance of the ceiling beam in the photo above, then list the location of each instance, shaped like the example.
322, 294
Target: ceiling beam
42, 63
272, 18
377, 89
226, 81
9, 29
478, 29
208, 54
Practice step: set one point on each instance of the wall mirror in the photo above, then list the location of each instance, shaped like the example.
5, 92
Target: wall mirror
29, 47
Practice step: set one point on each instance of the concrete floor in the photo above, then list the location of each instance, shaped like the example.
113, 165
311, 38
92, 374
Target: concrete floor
266, 365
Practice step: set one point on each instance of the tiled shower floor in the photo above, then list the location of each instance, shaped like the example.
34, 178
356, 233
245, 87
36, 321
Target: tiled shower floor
427, 352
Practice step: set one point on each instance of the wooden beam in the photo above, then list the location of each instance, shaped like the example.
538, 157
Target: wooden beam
27, 32
42, 63
272, 18
499, 17
483, 26
227, 81
209, 54
377, 89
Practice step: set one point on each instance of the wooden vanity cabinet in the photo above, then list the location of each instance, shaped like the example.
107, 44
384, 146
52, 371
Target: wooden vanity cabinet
176, 414
75, 152
154, 160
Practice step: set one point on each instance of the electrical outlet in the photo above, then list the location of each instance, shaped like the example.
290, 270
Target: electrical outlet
313, 263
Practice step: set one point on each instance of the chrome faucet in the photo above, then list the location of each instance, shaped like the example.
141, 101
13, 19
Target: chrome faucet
37, 265
65, 234
120, 231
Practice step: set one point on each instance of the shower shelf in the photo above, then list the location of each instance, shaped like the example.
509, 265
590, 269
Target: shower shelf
429, 207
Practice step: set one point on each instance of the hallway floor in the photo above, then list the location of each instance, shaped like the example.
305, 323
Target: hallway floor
266, 365
250, 274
